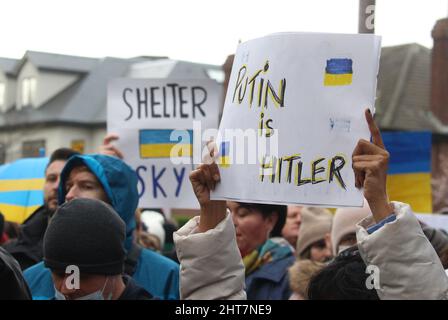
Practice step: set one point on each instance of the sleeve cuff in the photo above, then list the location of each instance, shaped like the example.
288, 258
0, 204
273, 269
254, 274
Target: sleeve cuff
375, 227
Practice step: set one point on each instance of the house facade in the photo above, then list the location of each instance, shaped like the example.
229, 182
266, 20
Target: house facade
48, 101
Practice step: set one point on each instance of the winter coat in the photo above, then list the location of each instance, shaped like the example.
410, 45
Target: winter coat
133, 291
154, 272
211, 264
13, 286
27, 249
408, 265
270, 281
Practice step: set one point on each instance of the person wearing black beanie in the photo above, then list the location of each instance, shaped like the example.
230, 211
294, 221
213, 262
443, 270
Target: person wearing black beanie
84, 249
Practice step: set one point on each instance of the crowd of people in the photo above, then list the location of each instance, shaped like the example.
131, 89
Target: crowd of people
89, 241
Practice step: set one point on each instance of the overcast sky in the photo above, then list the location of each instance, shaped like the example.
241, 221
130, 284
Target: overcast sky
196, 30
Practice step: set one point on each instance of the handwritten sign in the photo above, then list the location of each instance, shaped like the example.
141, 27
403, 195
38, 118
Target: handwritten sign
293, 114
155, 119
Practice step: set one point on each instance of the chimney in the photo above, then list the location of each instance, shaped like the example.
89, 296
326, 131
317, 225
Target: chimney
439, 71
439, 107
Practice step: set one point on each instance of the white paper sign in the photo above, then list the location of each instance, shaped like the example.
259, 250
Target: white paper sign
308, 92
154, 119
438, 221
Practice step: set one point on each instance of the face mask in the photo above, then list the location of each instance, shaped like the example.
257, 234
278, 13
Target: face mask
97, 295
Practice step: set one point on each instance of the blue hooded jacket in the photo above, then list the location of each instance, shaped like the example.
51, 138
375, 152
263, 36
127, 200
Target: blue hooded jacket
154, 272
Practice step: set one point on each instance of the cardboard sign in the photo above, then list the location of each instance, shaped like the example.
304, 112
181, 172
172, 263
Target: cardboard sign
293, 114
155, 119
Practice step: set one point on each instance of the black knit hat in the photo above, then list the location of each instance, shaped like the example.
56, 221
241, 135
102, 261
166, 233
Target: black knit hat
88, 234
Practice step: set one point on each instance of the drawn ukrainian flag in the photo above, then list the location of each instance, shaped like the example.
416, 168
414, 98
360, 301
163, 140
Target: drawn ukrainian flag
157, 143
21, 188
409, 174
338, 72
224, 155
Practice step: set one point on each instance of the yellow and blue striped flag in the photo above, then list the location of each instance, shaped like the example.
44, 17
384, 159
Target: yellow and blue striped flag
338, 72
409, 174
224, 157
21, 188
157, 143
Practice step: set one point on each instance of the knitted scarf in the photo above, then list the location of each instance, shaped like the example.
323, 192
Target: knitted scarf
272, 250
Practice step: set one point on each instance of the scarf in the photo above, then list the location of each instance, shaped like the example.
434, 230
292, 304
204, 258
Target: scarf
272, 250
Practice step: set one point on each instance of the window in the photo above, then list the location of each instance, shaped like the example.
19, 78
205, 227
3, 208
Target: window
2, 95
28, 91
33, 149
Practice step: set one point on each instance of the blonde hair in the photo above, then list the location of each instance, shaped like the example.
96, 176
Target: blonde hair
149, 241
300, 274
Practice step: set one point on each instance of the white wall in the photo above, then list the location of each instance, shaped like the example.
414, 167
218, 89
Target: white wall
28, 70
48, 84
10, 91
55, 137
97, 138
4, 80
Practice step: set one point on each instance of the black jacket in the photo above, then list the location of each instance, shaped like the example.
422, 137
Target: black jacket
12, 284
27, 249
133, 291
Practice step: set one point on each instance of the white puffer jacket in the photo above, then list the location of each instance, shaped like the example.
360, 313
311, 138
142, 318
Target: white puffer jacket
409, 266
210, 263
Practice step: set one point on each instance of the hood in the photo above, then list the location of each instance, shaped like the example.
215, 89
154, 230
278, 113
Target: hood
118, 180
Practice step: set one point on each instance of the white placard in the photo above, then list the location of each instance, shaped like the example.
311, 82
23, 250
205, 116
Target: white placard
151, 116
308, 92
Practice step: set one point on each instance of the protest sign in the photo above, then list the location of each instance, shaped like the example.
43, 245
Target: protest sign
154, 119
438, 221
294, 111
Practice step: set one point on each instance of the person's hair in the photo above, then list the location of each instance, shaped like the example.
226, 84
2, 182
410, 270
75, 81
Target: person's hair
149, 241
306, 254
300, 274
443, 255
342, 279
82, 167
62, 154
139, 226
12, 229
268, 210
170, 226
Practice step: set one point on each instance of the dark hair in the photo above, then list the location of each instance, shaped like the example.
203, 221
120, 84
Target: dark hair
267, 210
342, 279
12, 229
443, 255
62, 154
306, 254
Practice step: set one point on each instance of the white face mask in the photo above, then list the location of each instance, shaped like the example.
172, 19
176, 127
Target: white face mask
96, 295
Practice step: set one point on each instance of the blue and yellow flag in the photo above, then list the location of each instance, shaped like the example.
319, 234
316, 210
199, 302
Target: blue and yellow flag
338, 72
157, 143
21, 188
224, 157
409, 174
